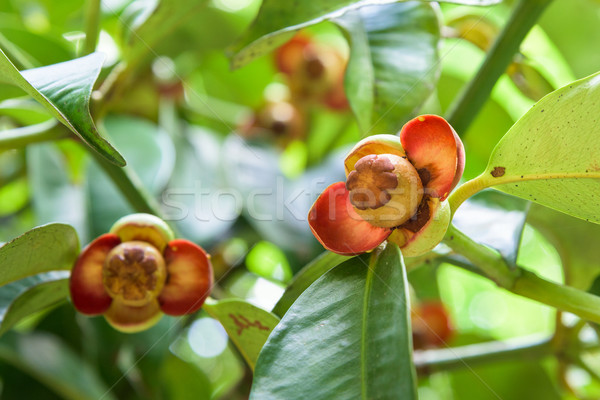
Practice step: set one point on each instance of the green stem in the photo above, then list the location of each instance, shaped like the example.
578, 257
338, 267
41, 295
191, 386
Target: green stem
129, 185
92, 26
523, 282
42, 132
473, 97
453, 358
15, 54
464, 191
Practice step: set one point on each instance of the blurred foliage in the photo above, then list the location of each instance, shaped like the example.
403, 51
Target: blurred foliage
235, 158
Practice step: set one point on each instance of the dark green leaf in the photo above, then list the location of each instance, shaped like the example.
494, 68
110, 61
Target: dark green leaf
247, 326
303, 279
347, 336
65, 90
551, 155
393, 62
277, 21
27, 296
46, 248
54, 364
494, 219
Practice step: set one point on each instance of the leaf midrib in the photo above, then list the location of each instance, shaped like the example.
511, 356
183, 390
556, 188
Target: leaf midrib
363, 339
491, 181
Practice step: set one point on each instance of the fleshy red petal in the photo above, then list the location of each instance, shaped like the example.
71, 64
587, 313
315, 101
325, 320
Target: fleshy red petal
133, 319
87, 290
338, 227
189, 278
432, 144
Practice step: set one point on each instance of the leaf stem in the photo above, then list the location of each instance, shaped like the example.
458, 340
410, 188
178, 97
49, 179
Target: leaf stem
452, 358
129, 185
42, 132
92, 26
524, 16
523, 282
464, 191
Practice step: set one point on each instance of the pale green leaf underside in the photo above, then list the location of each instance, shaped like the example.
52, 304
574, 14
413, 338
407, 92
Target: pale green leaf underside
46, 248
65, 89
346, 337
552, 154
393, 62
247, 326
278, 20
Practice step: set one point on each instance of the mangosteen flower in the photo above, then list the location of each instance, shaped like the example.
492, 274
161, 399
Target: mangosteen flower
137, 272
395, 189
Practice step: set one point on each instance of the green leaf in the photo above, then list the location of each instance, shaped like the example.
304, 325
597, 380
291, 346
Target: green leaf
65, 90
348, 336
393, 62
277, 21
54, 364
247, 326
551, 155
494, 219
46, 248
28, 296
576, 243
303, 279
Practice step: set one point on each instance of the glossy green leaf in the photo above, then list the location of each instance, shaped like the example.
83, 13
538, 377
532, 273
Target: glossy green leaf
28, 296
53, 363
494, 219
45, 248
303, 279
576, 243
552, 154
346, 337
277, 21
247, 326
65, 90
393, 62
